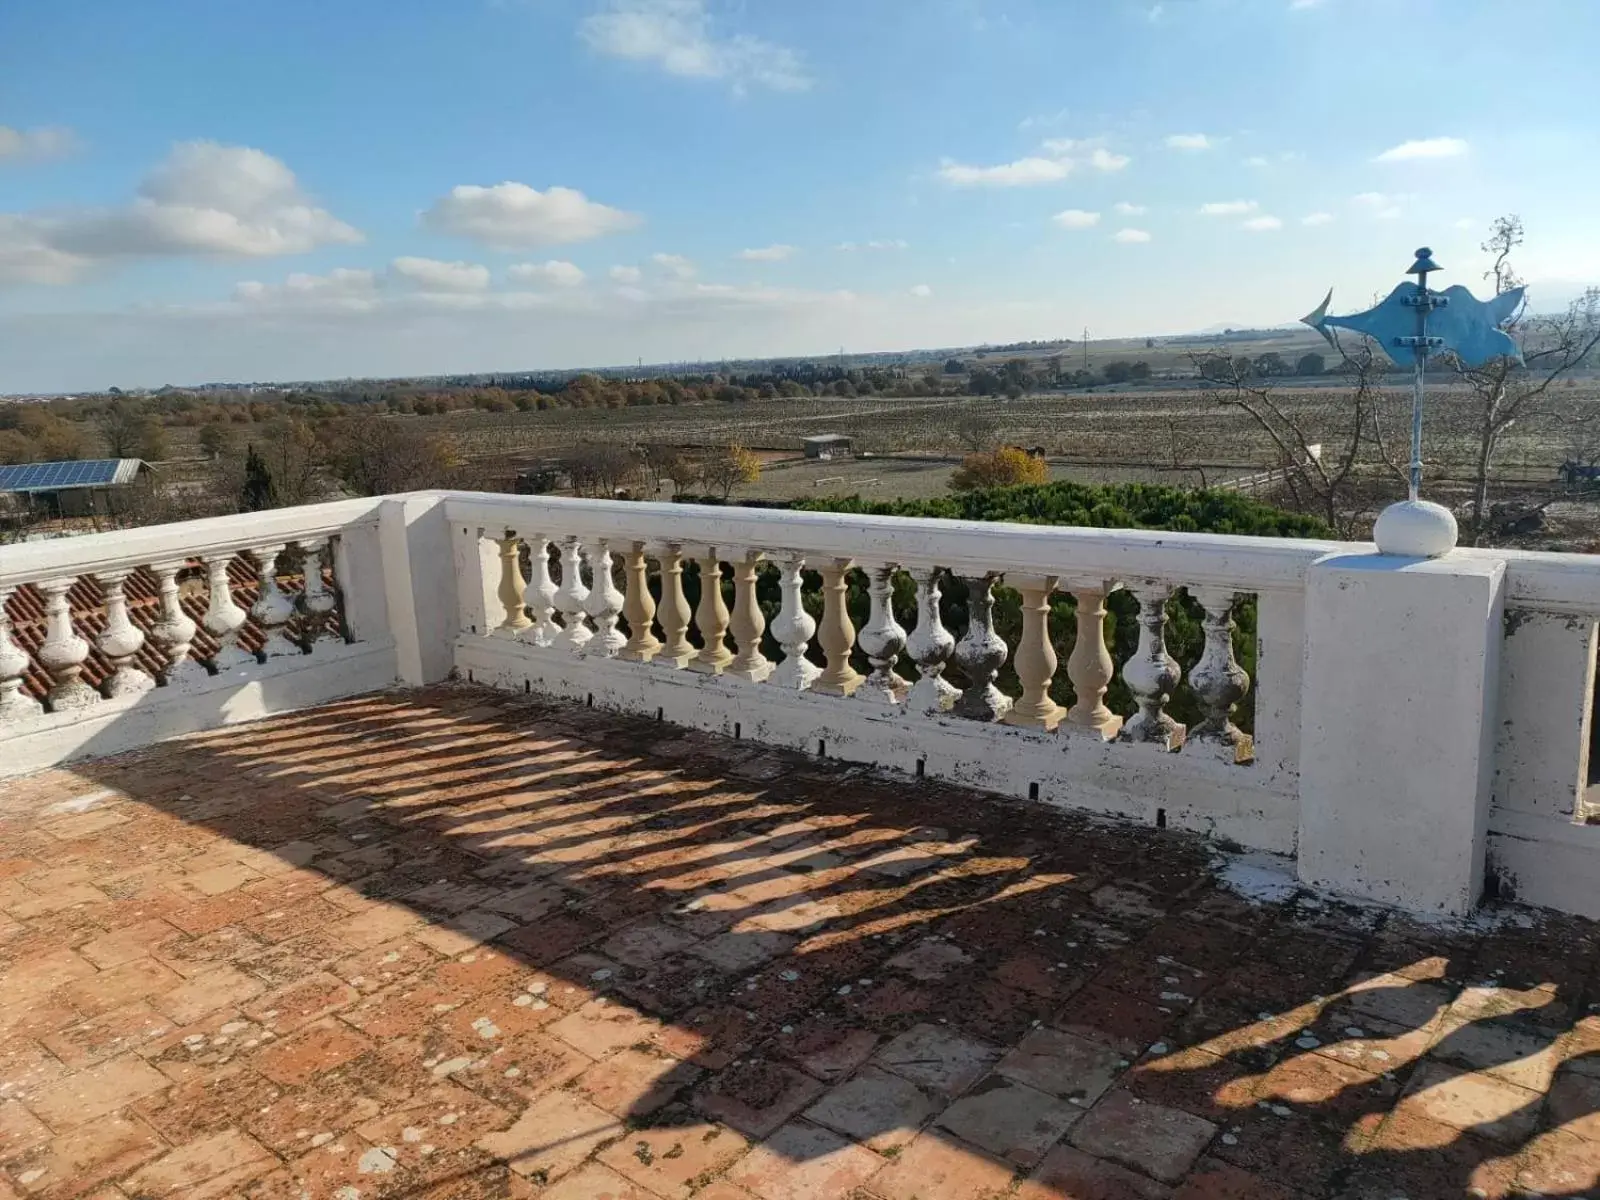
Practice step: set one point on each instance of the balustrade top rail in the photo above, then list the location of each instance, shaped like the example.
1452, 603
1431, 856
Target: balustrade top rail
966, 547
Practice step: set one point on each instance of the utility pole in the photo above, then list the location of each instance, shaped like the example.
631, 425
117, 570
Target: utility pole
1085, 349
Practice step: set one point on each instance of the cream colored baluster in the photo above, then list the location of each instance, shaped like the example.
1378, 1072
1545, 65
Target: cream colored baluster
882, 639
836, 633
793, 628
930, 645
316, 603
748, 623
604, 604
1090, 668
570, 596
541, 594
224, 618
1219, 680
1152, 673
121, 639
63, 651
15, 703
674, 611
711, 618
1035, 658
272, 608
173, 630
511, 593
980, 654
639, 607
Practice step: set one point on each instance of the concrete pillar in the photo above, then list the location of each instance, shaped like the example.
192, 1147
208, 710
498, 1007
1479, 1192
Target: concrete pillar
422, 578
1398, 726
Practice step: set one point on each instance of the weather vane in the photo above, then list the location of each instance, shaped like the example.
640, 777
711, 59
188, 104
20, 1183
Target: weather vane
1415, 319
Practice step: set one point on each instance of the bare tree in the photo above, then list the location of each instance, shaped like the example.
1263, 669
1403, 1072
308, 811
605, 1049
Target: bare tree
976, 430
600, 468
662, 462
377, 455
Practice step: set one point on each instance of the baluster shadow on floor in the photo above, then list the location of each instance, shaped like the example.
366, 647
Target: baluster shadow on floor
457, 943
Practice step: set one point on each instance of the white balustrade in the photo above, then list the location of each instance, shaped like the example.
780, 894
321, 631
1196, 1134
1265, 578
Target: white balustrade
272, 608
1218, 679
173, 630
15, 704
224, 618
793, 628
570, 597
980, 654
1152, 673
316, 602
882, 639
120, 640
604, 603
63, 652
930, 645
540, 593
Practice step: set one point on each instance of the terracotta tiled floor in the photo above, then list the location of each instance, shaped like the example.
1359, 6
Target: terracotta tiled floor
460, 944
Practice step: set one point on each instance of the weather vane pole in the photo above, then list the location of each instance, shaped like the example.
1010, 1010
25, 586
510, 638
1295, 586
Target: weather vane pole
1466, 327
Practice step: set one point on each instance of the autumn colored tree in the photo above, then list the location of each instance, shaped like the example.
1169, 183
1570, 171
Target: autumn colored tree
728, 466
1004, 467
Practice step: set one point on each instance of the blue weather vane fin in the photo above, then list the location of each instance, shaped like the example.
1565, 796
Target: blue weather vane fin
1457, 321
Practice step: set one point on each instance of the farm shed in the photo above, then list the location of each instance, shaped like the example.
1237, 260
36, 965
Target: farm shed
827, 445
71, 489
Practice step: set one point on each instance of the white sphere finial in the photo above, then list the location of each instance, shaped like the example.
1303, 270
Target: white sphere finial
1415, 529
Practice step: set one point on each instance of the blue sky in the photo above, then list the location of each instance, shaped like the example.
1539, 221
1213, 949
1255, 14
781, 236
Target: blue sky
194, 191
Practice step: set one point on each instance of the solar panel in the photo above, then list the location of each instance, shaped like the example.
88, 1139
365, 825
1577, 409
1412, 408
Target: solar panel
44, 477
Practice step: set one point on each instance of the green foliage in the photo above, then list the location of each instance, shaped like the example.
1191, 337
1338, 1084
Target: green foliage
257, 493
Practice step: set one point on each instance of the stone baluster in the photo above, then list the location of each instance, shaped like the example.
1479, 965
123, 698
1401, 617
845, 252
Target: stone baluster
930, 645
639, 607
836, 633
711, 618
1035, 657
882, 639
747, 622
793, 628
120, 640
272, 608
511, 593
224, 618
570, 596
1219, 680
980, 654
63, 651
173, 630
1152, 673
14, 702
316, 602
540, 594
674, 611
604, 603
1090, 668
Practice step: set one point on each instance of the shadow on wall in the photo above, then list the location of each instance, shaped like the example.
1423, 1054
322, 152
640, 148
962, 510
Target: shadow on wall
742, 930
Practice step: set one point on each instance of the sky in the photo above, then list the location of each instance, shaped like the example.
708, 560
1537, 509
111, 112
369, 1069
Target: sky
193, 191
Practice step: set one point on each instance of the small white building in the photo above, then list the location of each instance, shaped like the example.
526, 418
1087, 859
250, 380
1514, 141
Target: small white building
827, 445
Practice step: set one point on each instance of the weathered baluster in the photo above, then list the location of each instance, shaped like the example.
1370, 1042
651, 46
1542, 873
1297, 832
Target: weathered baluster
316, 602
272, 608
512, 588
63, 651
639, 607
748, 623
540, 594
1219, 680
793, 628
224, 618
980, 654
14, 702
882, 639
173, 629
1090, 668
121, 639
836, 633
1035, 658
711, 618
930, 645
570, 596
674, 611
604, 603
1152, 673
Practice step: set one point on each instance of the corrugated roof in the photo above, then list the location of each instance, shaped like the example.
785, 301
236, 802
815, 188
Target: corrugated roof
62, 476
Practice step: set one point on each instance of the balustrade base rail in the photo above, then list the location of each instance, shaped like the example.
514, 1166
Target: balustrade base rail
1249, 807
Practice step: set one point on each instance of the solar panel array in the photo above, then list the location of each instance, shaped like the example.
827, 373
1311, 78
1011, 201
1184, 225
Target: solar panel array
44, 477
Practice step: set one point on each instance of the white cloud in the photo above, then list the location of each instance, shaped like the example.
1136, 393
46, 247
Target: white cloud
203, 200
626, 274
433, 275
1124, 208
1464, 223
45, 142
1228, 208
1060, 146
774, 253
921, 290
1256, 160
677, 36
1317, 218
1439, 147
514, 216
1377, 204
1189, 141
1024, 172
1076, 218
1130, 237
1302, 5
875, 244
1264, 224
675, 265
341, 288
554, 272
1102, 159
